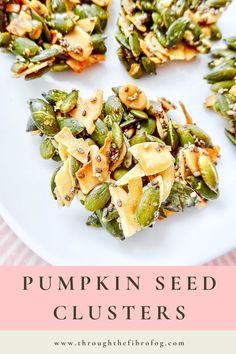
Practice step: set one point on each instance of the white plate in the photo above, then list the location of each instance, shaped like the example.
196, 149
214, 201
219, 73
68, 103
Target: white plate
60, 236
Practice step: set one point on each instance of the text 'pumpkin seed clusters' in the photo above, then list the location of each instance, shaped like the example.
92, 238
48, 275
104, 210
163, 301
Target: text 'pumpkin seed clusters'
53, 35
222, 78
124, 158
152, 32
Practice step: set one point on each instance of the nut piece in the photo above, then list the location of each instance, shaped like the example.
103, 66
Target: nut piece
133, 97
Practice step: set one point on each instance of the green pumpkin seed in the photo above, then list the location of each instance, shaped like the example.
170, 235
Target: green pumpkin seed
134, 44
100, 133
25, 47
55, 96
148, 65
139, 114
73, 124
215, 32
113, 227
161, 37
44, 117
222, 85
172, 138
230, 136
113, 106
30, 126
5, 39
168, 17
221, 75
217, 4
157, 19
201, 188
185, 137
120, 37
121, 53
108, 216
58, 6
57, 68
70, 101
140, 137
74, 166
223, 53
63, 22
88, 11
231, 43
223, 103
53, 183
200, 134
46, 32
148, 207
119, 172
148, 126
93, 220
175, 32
98, 41
128, 123
208, 172
117, 135
46, 54
98, 197
154, 139
47, 149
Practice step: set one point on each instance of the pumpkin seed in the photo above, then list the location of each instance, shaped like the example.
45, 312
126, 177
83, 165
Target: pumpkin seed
69, 102
5, 39
113, 227
55, 96
208, 172
25, 47
201, 188
172, 138
148, 207
119, 172
117, 135
93, 220
185, 137
98, 198
52, 52
175, 32
100, 133
47, 149
44, 116
73, 124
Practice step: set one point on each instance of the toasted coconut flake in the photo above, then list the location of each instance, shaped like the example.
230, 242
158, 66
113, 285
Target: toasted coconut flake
78, 148
79, 44
209, 102
191, 158
102, 3
87, 24
153, 49
232, 91
101, 166
152, 157
120, 158
86, 179
20, 25
62, 150
79, 66
35, 68
126, 208
64, 185
133, 97
89, 110
135, 172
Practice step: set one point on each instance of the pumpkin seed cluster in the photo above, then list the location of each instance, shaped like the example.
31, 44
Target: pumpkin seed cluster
222, 78
125, 159
152, 32
53, 35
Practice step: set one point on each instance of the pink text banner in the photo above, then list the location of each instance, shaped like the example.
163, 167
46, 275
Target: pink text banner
117, 298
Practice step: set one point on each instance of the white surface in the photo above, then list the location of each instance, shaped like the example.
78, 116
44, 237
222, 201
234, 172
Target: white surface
60, 236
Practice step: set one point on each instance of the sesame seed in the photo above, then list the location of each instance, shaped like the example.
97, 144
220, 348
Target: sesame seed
84, 113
